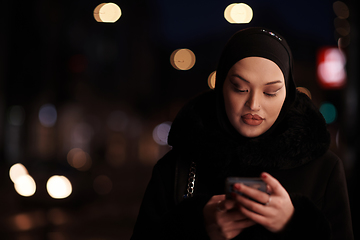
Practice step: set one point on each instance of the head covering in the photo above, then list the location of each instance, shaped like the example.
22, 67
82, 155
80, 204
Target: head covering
255, 42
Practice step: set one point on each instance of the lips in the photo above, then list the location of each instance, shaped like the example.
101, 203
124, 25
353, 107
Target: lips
252, 120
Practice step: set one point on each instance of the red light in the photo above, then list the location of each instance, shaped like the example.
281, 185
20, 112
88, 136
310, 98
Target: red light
331, 68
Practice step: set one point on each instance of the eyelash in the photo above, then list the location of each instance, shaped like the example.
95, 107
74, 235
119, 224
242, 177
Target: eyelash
270, 94
243, 91
240, 91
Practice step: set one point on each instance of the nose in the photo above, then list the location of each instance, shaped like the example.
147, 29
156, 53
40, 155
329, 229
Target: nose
253, 102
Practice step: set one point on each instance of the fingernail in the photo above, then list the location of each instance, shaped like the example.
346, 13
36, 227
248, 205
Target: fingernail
237, 186
263, 175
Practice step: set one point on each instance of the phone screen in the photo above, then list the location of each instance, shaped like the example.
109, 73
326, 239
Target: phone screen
256, 183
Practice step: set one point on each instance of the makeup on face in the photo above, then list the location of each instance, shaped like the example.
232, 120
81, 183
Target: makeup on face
254, 92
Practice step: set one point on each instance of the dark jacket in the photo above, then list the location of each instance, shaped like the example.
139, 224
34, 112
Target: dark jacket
296, 154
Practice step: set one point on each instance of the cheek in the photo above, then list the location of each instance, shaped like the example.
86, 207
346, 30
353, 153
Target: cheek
232, 104
274, 109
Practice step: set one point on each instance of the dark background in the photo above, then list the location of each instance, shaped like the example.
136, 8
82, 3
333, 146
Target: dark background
54, 52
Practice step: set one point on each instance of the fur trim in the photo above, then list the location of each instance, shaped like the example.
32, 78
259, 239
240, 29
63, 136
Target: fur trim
304, 136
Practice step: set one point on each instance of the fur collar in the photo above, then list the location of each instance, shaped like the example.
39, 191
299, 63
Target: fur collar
195, 131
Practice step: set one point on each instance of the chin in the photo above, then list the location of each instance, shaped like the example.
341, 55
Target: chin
250, 134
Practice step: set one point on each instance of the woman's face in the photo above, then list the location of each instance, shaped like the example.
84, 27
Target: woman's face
254, 92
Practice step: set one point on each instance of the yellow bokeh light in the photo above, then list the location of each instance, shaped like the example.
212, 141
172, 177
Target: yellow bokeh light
97, 11
212, 80
17, 170
237, 13
59, 187
304, 90
107, 12
182, 59
25, 185
227, 13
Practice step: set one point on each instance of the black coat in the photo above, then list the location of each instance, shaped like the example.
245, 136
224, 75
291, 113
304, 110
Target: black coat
296, 154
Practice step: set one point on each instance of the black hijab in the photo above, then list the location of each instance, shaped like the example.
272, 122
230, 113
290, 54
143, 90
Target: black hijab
255, 42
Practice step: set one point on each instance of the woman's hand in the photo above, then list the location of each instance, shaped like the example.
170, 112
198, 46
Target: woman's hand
223, 220
276, 210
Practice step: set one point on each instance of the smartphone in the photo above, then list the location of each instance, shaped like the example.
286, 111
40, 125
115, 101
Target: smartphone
256, 183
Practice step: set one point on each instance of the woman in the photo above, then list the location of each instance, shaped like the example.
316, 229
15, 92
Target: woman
254, 124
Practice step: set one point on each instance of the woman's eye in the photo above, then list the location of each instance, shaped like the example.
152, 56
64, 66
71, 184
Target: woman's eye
239, 90
270, 94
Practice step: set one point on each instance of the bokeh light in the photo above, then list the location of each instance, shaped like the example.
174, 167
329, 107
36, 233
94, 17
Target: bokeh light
328, 110
79, 159
341, 9
212, 80
81, 135
59, 187
16, 115
103, 184
25, 185
182, 59
343, 42
304, 90
342, 26
97, 12
331, 68
48, 115
17, 170
161, 132
107, 12
57, 216
237, 13
23, 222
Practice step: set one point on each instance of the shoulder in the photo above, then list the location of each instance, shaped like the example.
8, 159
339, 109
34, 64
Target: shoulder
328, 167
329, 160
167, 162
334, 165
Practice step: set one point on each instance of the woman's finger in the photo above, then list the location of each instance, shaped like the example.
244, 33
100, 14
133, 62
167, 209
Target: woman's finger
258, 218
224, 205
252, 193
275, 187
253, 206
238, 225
274, 215
233, 216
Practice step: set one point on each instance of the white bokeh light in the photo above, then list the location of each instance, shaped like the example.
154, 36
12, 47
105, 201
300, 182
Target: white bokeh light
237, 13
161, 132
25, 185
17, 170
59, 187
107, 12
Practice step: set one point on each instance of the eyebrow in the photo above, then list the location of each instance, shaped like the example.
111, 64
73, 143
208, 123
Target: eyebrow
243, 79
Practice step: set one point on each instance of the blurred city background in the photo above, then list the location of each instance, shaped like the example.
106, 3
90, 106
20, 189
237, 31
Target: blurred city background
89, 90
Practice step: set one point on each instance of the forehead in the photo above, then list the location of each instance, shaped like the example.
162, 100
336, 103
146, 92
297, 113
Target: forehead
257, 67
